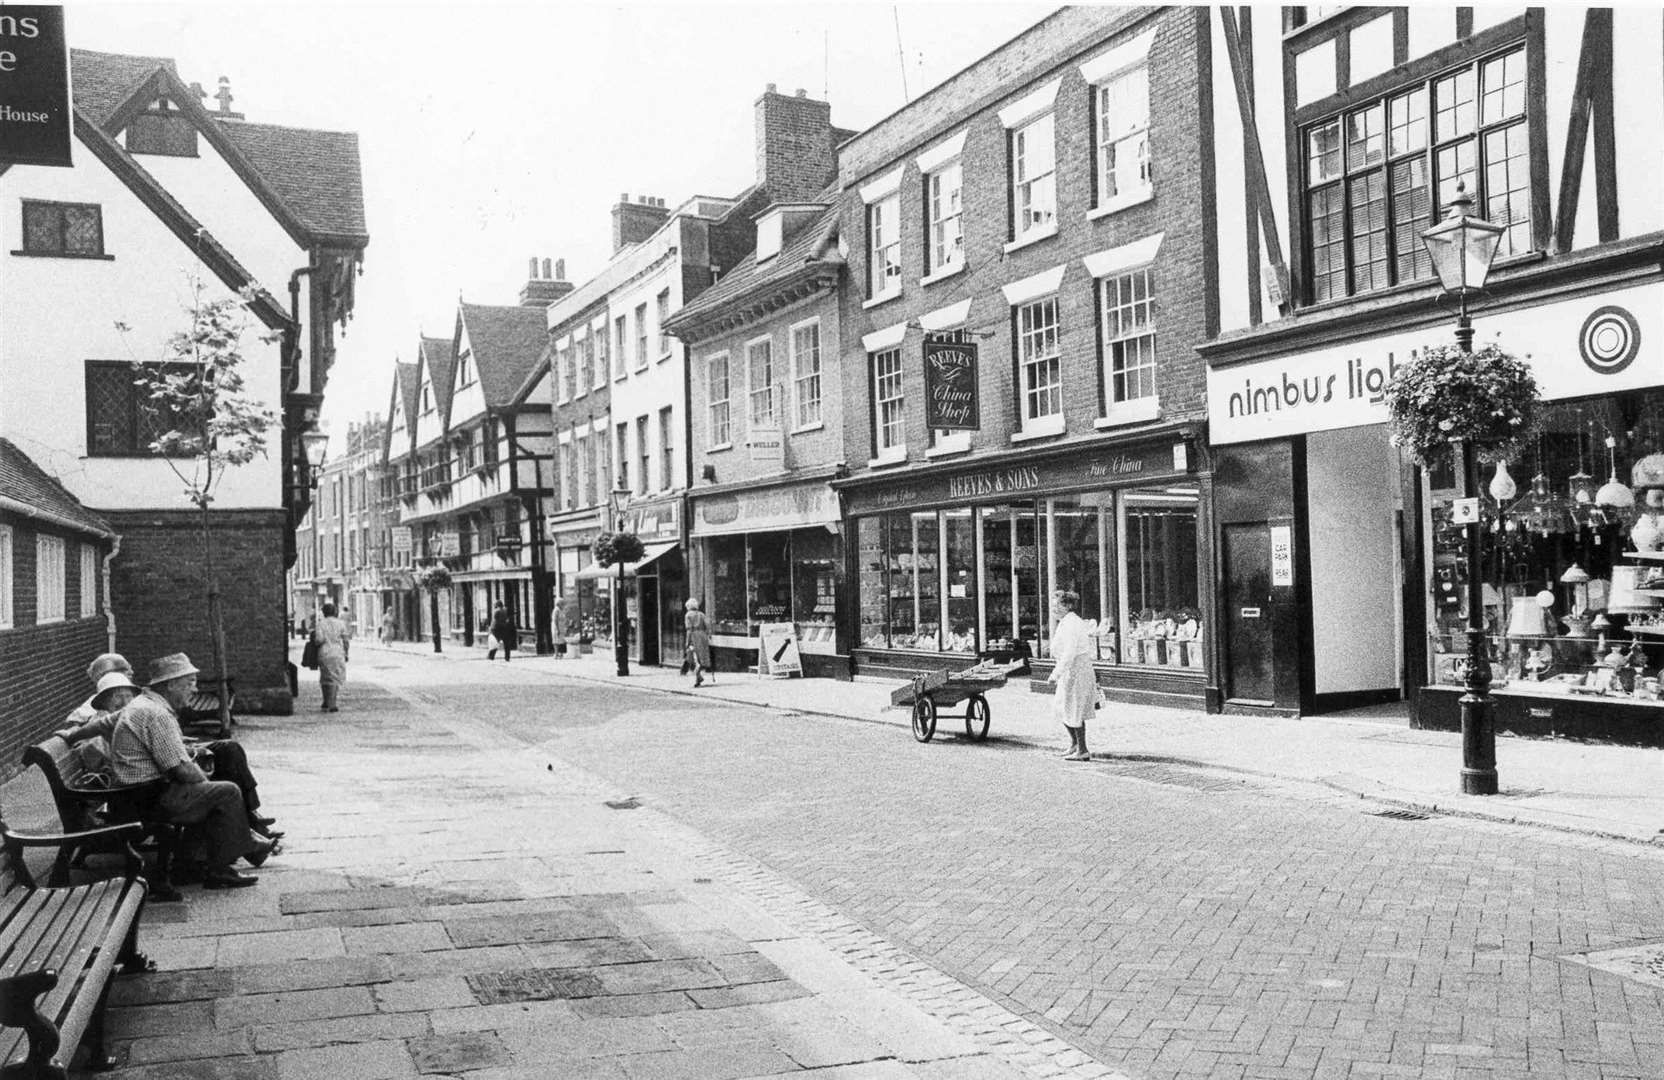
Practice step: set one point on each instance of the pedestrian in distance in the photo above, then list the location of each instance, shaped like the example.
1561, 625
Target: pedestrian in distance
698, 626
1077, 684
332, 636
503, 632
146, 748
389, 626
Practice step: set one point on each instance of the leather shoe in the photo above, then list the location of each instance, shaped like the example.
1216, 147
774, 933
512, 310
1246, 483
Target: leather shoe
268, 832
261, 821
227, 878
257, 858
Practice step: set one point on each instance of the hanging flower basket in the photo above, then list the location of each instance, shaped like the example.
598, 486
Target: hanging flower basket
1486, 397
620, 547
434, 578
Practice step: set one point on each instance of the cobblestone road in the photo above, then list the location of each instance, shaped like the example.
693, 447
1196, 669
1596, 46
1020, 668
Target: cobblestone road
1168, 922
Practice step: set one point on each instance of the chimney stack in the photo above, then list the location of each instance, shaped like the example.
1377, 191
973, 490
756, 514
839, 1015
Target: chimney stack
542, 290
796, 157
633, 222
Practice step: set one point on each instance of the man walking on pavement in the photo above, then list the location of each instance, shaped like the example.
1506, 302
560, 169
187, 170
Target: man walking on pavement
146, 746
502, 630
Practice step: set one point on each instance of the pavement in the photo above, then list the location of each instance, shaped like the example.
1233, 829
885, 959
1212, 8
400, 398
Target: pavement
1616, 792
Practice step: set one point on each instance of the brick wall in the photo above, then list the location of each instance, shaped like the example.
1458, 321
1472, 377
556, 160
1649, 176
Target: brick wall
159, 596
43, 668
1183, 268
795, 153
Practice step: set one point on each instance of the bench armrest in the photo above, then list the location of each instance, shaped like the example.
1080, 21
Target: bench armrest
19, 1008
15, 842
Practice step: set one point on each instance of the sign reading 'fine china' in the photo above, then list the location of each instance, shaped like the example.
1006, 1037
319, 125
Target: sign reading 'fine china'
950, 400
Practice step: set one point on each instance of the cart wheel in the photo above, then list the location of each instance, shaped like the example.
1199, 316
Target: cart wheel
924, 719
977, 715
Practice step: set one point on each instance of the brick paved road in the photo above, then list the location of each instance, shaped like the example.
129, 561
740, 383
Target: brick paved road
1177, 928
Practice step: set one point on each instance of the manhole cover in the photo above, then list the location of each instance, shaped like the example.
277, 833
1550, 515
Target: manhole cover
532, 984
1399, 815
1640, 963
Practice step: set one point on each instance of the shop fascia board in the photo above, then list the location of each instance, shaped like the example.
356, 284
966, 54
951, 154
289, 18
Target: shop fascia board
810, 475
1192, 431
1524, 281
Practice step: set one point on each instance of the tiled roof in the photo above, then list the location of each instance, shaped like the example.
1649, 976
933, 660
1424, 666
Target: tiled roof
507, 342
441, 364
26, 485
747, 277
407, 384
103, 82
315, 173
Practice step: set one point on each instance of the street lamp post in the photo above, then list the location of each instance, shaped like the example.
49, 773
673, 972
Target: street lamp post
1461, 248
620, 498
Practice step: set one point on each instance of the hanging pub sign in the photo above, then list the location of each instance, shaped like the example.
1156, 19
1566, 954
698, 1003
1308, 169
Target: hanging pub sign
34, 86
950, 399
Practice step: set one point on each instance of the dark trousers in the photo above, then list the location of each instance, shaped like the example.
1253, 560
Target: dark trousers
217, 806
231, 764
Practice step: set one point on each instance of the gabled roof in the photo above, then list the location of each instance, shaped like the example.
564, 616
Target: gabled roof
26, 489
507, 344
807, 260
402, 401
309, 179
439, 358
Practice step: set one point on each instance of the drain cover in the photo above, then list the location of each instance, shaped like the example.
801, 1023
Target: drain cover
1640, 963
631, 803
532, 984
1400, 815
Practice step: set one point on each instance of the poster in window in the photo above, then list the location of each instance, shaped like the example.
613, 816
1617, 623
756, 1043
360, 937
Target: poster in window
34, 86
950, 384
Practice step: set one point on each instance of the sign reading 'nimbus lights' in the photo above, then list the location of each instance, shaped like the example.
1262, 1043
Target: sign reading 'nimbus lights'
1590, 345
34, 86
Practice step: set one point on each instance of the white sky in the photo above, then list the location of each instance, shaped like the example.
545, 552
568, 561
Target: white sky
492, 132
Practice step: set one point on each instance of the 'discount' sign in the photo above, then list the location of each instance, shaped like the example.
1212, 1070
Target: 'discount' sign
34, 86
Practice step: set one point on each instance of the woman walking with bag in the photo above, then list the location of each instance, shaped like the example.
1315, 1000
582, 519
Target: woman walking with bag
331, 636
503, 632
698, 626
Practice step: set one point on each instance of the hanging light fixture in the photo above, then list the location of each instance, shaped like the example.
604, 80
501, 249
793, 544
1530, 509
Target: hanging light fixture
1613, 496
1544, 512
1580, 491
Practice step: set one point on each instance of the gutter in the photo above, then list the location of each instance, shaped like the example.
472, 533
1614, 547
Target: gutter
26, 510
109, 606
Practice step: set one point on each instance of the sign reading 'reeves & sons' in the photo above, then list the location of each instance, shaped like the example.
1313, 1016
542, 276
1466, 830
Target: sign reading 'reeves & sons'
34, 86
950, 400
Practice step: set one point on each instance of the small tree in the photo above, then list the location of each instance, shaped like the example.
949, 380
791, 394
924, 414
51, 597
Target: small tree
207, 424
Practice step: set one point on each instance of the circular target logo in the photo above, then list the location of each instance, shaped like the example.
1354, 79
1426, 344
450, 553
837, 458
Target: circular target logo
1610, 339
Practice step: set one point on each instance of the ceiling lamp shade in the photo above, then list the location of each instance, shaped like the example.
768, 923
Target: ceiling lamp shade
1613, 495
1503, 487
1543, 511
1462, 246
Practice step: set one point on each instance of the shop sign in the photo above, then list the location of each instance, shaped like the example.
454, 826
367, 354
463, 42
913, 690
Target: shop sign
950, 397
790, 507
766, 445
1598, 344
1282, 555
401, 540
655, 521
1094, 469
447, 545
777, 653
34, 86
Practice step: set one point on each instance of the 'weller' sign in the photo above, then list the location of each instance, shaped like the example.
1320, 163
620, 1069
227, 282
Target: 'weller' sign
34, 86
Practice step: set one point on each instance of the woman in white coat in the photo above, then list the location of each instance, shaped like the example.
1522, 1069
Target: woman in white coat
1077, 685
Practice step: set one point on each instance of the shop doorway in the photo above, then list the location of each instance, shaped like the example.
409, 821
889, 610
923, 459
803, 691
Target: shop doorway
1250, 655
647, 619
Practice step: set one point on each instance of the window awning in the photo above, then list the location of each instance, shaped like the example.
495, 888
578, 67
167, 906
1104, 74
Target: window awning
631, 569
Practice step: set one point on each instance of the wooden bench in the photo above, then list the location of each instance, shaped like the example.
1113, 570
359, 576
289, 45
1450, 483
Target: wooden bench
59, 947
201, 714
86, 800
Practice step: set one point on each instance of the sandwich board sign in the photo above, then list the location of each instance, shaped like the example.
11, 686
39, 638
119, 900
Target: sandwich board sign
777, 655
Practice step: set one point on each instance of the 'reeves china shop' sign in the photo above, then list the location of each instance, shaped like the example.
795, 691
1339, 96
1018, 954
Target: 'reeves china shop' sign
1082, 471
1591, 345
950, 399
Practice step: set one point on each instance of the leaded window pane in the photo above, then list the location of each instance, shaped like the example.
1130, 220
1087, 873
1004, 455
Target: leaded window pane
1407, 125
1366, 142
1410, 217
1503, 79
1323, 152
42, 228
1368, 197
1453, 98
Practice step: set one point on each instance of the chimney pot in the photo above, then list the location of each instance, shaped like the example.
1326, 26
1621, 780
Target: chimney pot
560, 269
771, 88
802, 92
546, 268
533, 271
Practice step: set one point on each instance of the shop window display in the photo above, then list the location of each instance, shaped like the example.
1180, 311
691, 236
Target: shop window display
1572, 568
872, 581
959, 551
770, 578
1082, 546
1162, 594
1011, 578
815, 584
727, 557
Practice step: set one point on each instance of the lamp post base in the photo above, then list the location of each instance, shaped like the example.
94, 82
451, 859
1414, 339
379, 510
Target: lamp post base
1478, 745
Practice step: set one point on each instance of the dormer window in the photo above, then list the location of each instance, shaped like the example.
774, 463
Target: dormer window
162, 129
465, 370
770, 228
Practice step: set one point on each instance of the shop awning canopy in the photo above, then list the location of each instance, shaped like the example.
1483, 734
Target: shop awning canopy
631, 569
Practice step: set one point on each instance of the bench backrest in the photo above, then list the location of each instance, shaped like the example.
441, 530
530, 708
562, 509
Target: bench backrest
66, 776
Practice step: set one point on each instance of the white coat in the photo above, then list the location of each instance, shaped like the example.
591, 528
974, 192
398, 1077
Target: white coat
1077, 686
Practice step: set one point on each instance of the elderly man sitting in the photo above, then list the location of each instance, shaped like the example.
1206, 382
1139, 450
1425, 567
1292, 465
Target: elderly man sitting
90, 724
146, 746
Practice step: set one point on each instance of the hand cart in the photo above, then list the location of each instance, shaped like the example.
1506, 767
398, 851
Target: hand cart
925, 695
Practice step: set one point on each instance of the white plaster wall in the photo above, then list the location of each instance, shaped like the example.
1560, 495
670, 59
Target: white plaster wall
429, 425
644, 393
468, 402
218, 198
1232, 197
1638, 70
61, 312
1270, 118
1352, 482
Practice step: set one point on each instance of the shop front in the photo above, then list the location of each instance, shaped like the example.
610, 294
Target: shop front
953, 565
652, 591
1371, 577
582, 611
771, 555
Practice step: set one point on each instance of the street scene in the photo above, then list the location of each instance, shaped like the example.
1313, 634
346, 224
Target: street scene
860, 541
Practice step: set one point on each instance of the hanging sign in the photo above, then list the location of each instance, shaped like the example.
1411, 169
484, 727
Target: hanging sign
401, 540
777, 655
1282, 555
34, 86
950, 398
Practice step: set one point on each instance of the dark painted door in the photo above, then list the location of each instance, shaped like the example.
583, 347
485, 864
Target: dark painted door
647, 619
1250, 658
